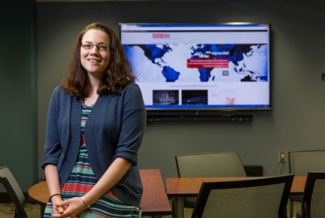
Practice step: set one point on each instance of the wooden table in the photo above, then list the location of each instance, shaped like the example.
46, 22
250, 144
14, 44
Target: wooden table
178, 188
154, 200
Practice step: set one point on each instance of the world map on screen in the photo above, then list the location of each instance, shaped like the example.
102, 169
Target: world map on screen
188, 62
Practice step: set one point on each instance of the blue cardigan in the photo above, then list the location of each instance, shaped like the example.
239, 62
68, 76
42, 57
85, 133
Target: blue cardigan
114, 129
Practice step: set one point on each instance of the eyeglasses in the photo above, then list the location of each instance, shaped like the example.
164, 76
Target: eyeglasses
100, 47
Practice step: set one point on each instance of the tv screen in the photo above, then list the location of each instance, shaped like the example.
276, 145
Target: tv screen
200, 67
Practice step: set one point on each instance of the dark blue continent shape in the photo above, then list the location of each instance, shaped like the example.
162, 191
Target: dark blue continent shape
152, 52
235, 54
170, 74
209, 51
236, 51
205, 74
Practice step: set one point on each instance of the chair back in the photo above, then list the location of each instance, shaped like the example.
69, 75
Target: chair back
210, 165
12, 187
313, 202
253, 197
301, 162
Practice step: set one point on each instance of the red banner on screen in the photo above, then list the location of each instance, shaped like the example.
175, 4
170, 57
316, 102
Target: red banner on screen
208, 63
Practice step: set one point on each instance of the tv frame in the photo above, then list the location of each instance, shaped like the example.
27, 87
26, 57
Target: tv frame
206, 113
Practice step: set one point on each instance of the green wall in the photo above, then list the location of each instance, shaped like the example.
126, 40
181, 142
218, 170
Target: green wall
295, 123
18, 90
297, 61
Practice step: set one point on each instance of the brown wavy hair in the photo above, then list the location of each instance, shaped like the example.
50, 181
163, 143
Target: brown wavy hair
118, 74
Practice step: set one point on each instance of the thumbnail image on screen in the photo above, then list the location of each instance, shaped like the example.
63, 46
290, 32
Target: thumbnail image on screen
165, 97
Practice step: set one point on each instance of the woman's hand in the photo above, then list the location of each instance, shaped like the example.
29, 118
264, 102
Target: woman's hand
70, 208
55, 201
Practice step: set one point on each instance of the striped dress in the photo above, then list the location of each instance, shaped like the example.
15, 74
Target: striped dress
82, 179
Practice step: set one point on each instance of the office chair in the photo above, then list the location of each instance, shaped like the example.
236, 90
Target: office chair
313, 201
216, 164
10, 184
300, 163
254, 198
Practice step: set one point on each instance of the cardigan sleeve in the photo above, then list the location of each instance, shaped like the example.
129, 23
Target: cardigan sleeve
132, 125
57, 128
52, 147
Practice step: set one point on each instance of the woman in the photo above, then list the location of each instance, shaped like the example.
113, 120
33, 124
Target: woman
95, 126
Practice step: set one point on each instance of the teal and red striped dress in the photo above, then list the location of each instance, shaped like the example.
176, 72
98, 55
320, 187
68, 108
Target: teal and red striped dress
82, 179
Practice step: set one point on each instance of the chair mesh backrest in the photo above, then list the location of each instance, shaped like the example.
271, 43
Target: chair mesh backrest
250, 202
210, 165
317, 204
13, 189
256, 198
301, 162
313, 204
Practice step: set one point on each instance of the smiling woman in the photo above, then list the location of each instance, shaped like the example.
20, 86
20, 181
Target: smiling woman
95, 54
95, 126
98, 44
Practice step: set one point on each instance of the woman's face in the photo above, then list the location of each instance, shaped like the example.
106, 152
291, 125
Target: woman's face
95, 52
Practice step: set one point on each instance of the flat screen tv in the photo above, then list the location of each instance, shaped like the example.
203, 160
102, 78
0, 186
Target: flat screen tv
200, 67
